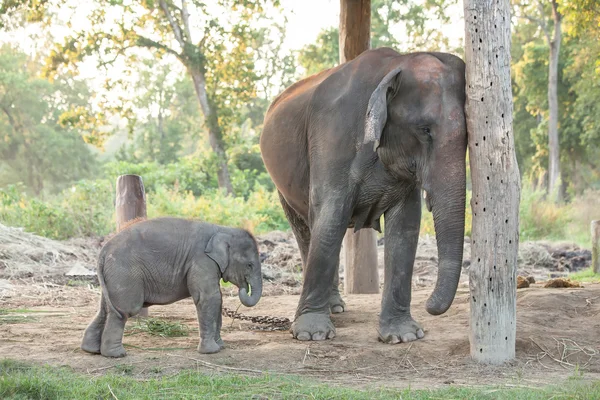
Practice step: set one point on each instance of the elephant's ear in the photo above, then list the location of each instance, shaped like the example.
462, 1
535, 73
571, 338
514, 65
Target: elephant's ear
377, 108
217, 249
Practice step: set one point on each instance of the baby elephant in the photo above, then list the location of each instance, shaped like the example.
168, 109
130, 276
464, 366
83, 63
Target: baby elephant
163, 260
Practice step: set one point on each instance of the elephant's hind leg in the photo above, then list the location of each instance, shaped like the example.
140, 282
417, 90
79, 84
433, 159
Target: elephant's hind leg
112, 336
302, 234
92, 337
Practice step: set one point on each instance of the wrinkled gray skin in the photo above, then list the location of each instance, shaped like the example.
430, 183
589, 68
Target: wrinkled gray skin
164, 260
359, 141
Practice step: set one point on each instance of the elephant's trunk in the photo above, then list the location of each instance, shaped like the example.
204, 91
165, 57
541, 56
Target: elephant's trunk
250, 294
447, 203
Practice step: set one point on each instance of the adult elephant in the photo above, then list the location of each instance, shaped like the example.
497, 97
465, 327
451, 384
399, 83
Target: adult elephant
359, 141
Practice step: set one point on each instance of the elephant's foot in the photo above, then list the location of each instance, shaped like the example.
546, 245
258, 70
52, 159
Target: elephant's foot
313, 326
209, 346
336, 304
90, 347
220, 343
400, 330
92, 339
115, 351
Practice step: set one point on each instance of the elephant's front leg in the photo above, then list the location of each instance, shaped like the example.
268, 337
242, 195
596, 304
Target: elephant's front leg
209, 316
312, 316
401, 236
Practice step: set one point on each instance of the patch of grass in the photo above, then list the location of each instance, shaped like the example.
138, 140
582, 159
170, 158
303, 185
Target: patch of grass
124, 369
15, 319
18, 381
158, 327
586, 275
8, 316
75, 283
20, 311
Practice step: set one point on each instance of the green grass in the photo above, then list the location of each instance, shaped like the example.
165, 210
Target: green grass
23, 381
586, 275
158, 327
9, 316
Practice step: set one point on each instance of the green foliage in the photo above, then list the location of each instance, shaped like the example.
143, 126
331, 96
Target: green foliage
260, 213
540, 218
158, 327
323, 54
22, 381
578, 92
414, 17
85, 209
35, 147
586, 275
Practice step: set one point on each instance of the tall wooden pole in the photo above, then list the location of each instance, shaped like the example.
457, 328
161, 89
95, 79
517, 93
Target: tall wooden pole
360, 273
495, 178
130, 204
596, 246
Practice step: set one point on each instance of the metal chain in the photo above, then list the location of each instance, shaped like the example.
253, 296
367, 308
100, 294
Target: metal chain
277, 323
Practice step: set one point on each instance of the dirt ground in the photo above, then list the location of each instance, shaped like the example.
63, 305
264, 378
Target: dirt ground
557, 329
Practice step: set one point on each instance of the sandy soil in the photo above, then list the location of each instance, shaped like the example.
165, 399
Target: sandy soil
557, 329
556, 334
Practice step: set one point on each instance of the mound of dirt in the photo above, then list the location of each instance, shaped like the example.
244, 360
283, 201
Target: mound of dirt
24, 255
561, 283
281, 263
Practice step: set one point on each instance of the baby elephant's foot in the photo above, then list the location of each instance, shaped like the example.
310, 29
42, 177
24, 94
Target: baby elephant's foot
93, 348
116, 351
209, 346
92, 339
400, 330
313, 326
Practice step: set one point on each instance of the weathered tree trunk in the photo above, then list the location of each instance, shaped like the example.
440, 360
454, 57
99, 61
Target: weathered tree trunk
360, 272
554, 185
215, 136
495, 178
596, 246
130, 204
183, 35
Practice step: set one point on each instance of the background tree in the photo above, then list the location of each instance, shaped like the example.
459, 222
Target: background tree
214, 50
577, 94
35, 148
405, 25
547, 17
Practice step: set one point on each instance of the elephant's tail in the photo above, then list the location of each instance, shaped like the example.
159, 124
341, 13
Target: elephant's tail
103, 285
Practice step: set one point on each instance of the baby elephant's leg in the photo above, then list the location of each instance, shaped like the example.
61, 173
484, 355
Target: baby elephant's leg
209, 311
112, 337
207, 298
92, 338
219, 324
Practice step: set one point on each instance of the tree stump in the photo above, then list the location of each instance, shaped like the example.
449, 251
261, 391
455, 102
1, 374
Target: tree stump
130, 204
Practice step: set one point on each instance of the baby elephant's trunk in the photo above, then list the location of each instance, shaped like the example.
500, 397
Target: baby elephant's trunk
250, 294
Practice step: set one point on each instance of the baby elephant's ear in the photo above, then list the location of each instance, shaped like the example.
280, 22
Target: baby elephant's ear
217, 249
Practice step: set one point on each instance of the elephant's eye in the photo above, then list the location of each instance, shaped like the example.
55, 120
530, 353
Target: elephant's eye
425, 134
250, 265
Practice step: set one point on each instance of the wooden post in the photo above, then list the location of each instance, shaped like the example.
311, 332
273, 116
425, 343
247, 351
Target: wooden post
495, 178
360, 273
596, 246
130, 204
